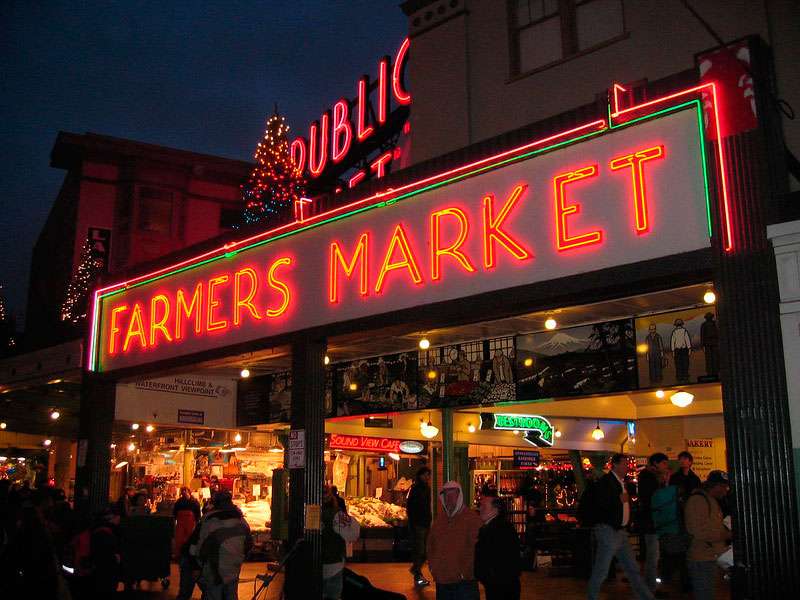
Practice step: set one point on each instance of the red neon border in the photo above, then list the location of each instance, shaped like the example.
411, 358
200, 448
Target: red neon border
387, 194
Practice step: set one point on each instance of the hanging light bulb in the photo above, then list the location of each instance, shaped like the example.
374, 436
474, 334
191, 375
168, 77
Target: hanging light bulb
245, 373
54, 414
3, 425
424, 343
660, 393
327, 360
682, 399
557, 432
598, 434
428, 430
131, 447
432, 374
149, 429
471, 428
47, 442
528, 362
550, 323
709, 297
135, 426
237, 437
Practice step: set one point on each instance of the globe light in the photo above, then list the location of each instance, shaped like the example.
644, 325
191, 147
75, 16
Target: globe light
471, 428
598, 434
47, 442
432, 374
709, 297
149, 429
682, 399
54, 414
424, 343
135, 426
557, 433
237, 437
327, 360
131, 447
3, 425
245, 373
660, 393
550, 323
528, 362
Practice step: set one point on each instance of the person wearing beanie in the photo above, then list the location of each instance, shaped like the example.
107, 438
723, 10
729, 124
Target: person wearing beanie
451, 546
419, 522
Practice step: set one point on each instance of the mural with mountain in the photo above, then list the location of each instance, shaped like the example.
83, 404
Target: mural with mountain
590, 359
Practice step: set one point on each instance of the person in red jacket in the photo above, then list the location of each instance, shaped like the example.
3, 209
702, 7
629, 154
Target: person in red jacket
451, 546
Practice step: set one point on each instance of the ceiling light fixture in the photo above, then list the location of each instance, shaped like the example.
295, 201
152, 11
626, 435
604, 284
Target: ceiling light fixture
470, 427
327, 360
432, 374
709, 297
557, 432
131, 447
424, 343
528, 362
660, 393
54, 414
598, 434
237, 437
47, 442
149, 429
428, 430
394, 456
121, 464
550, 323
135, 426
682, 399
245, 373
3, 425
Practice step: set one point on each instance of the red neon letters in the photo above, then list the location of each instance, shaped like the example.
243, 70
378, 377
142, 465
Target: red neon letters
213, 305
564, 241
453, 250
334, 134
362, 442
492, 231
408, 261
636, 162
360, 256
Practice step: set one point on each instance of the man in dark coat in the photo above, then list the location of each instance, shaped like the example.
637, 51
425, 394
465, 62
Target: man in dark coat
418, 507
497, 560
613, 510
653, 477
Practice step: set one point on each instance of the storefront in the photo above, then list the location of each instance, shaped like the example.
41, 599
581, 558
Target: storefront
514, 318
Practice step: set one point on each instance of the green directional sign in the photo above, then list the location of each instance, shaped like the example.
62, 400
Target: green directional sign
538, 430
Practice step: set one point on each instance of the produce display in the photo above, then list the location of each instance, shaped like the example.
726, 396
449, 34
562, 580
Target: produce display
372, 512
257, 513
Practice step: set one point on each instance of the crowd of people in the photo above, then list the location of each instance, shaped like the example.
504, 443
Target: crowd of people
48, 549
683, 522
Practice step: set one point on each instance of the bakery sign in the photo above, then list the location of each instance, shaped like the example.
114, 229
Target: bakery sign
364, 443
596, 196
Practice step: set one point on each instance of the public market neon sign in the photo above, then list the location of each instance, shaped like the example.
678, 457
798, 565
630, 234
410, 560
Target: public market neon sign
474, 236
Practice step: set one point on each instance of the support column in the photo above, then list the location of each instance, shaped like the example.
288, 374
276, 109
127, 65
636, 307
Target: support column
304, 573
93, 471
448, 453
755, 403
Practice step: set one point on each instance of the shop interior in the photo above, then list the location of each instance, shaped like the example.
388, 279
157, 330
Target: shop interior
383, 427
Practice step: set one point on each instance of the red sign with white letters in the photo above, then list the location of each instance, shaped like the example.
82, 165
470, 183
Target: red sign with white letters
612, 196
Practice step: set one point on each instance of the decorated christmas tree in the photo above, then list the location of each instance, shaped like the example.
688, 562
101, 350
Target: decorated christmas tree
275, 184
3, 311
74, 308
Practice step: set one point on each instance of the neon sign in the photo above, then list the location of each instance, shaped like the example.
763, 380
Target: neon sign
496, 223
362, 442
538, 430
332, 138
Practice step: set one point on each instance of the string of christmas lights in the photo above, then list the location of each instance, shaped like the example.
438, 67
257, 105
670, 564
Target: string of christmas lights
3, 312
74, 308
274, 184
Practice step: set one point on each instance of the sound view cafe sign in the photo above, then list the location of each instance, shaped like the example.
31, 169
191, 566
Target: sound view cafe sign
599, 195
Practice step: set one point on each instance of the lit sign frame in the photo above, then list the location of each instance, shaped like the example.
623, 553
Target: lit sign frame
494, 211
538, 429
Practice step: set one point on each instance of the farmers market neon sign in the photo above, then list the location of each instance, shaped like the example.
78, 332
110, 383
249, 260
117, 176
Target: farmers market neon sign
491, 224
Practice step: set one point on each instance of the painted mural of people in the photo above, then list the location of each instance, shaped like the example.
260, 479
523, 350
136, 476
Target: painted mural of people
501, 367
656, 354
709, 339
681, 346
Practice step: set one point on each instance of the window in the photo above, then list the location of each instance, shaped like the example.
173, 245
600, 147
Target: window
155, 210
544, 32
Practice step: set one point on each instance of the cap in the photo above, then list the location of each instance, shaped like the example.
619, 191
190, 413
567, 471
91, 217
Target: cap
718, 477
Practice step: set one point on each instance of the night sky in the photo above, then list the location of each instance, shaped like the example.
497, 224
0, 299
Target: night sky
200, 76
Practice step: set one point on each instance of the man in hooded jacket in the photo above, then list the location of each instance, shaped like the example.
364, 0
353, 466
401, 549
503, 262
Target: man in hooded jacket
451, 546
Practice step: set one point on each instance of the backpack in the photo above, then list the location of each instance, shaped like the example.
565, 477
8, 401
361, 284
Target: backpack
665, 510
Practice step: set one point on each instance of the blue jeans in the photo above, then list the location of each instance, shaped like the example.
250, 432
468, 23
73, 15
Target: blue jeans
463, 590
702, 574
610, 543
651, 560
